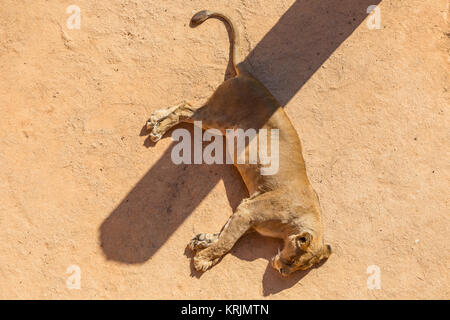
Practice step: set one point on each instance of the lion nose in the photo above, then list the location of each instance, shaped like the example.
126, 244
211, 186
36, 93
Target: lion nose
284, 272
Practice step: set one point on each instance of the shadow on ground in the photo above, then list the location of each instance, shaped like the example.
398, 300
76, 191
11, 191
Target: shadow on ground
160, 202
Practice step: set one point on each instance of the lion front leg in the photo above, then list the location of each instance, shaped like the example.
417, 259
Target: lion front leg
236, 227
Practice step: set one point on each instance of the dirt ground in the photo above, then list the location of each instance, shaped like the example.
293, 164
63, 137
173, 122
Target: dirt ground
80, 186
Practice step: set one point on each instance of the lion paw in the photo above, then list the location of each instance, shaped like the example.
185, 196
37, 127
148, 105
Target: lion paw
202, 241
203, 264
154, 123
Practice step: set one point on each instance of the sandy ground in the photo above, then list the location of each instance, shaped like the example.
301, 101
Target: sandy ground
80, 186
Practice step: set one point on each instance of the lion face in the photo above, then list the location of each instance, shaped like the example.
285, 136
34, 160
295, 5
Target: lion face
301, 252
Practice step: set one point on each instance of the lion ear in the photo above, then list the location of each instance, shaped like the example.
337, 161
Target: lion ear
327, 251
303, 240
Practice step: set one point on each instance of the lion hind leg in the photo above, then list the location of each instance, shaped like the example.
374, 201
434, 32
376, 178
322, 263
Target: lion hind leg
164, 119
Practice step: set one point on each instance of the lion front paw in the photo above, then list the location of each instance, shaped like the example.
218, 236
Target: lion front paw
202, 241
203, 264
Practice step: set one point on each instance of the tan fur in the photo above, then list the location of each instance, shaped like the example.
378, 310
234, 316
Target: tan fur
283, 205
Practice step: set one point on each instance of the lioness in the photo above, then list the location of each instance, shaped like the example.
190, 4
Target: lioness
283, 205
